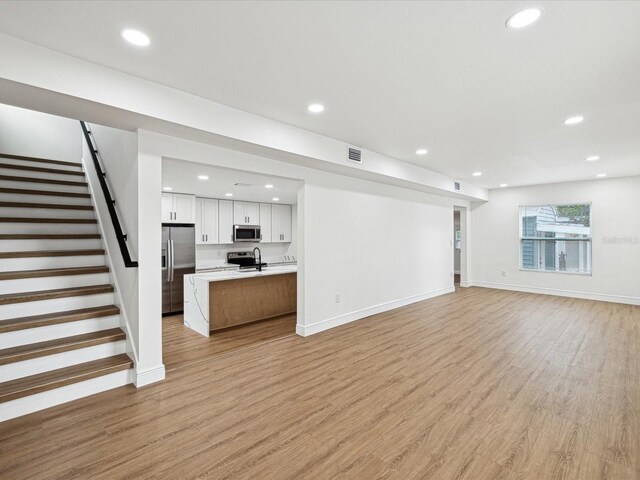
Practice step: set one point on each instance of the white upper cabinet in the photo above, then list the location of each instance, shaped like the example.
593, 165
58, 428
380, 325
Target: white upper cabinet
265, 222
206, 221
280, 223
178, 208
225, 221
167, 207
214, 219
246, 213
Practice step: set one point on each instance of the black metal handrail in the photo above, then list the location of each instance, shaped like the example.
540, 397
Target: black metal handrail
111, 203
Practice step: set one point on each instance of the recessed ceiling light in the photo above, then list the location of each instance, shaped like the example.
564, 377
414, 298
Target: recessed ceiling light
228, 194
422, 151
476, 174
136, 37
502, 185
268, 185
592, 158
168, 189
203, 177
600, 175
275, 199
315, 108
574, 120
523, 18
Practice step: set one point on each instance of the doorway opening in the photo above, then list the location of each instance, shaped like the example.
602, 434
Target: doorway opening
240, 289
460, 246
457, 246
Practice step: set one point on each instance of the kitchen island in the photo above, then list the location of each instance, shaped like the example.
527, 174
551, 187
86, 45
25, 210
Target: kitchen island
222, 299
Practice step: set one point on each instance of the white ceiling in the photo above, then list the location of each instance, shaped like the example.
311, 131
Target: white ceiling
393, 76
182, 177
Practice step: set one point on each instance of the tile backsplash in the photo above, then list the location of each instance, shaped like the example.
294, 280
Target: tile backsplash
212, 256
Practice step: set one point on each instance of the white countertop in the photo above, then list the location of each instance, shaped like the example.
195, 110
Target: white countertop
223, 275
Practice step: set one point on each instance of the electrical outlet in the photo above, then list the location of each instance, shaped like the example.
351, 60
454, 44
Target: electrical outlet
337, 298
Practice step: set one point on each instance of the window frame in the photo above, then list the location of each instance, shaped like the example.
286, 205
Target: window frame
561, 272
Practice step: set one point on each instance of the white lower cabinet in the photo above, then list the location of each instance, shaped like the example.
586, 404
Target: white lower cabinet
206, 221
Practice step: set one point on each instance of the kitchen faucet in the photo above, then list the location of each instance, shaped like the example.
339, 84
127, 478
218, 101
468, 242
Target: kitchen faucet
259, 258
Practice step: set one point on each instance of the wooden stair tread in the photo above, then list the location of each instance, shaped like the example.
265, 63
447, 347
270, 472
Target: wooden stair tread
25, 191
52, 253
53, 272
59, 345
46, 220
12, 178
49, 236
57, 206
34, 321
43, 382
29, 168
40, 160
36, 296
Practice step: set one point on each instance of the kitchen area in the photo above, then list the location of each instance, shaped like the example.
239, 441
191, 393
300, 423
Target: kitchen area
229, 264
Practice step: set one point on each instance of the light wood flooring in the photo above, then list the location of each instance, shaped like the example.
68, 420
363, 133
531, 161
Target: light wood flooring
478, 384
181, 346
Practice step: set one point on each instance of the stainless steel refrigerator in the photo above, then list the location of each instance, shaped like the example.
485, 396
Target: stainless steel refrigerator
178, 259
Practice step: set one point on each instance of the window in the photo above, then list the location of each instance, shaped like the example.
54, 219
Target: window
556, 238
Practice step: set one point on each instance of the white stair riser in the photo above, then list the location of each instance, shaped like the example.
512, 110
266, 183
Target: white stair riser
21, 197
58, 396
40, 263
15, 227
42, 186
47, 175
29, 163
49, 244
61, 330
45, 213
47, 363
26, 309
51, 283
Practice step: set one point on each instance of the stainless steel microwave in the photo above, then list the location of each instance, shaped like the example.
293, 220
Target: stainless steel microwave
246, 233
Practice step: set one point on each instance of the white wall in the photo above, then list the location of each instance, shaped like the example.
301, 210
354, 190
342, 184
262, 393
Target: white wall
375, 245
34, 134
135, 180
119, 154
615, 230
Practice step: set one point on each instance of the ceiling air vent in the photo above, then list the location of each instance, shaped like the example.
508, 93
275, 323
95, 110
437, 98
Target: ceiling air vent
456, 185
355, 155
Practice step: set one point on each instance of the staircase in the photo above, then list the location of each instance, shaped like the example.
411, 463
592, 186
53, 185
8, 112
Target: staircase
60, 335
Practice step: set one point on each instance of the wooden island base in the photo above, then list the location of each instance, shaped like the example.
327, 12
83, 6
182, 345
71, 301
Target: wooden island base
245, 300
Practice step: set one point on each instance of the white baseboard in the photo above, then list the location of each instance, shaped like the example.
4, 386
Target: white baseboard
465, 284
601, 297
148, 376
57, 396
317, 327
